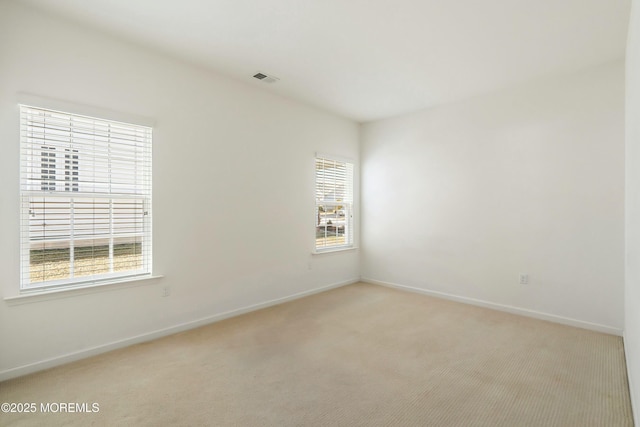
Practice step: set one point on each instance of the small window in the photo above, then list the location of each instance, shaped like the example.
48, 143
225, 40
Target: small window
334, 204
85, 199
48, 169
70, 170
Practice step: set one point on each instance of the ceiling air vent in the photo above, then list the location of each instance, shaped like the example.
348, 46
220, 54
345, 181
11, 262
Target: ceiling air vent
265, 78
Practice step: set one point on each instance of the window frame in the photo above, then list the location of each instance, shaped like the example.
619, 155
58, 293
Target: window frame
67, 170
348, 204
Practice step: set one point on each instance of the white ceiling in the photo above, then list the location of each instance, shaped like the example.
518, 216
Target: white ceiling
370, 59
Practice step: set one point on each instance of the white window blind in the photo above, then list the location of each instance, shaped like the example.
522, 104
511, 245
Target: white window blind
85, 199
334, 204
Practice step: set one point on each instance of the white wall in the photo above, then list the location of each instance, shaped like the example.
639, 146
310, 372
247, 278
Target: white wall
632, 198
462, 198
233, 190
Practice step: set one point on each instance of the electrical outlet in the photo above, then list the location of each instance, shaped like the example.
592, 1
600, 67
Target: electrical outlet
166, 291
524, 279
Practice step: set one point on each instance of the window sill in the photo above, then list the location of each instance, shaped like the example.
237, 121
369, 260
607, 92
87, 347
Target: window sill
334, 250
35, 295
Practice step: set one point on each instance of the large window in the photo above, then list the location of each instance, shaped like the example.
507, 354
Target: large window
334, 204
85, 199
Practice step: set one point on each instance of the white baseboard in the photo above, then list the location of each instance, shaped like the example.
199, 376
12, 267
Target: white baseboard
501, 307
93, 351
632, 390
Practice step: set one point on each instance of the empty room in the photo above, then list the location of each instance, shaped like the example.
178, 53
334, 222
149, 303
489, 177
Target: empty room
322, 213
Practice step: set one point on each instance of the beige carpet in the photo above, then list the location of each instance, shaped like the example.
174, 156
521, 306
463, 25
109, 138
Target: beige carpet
361, 355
